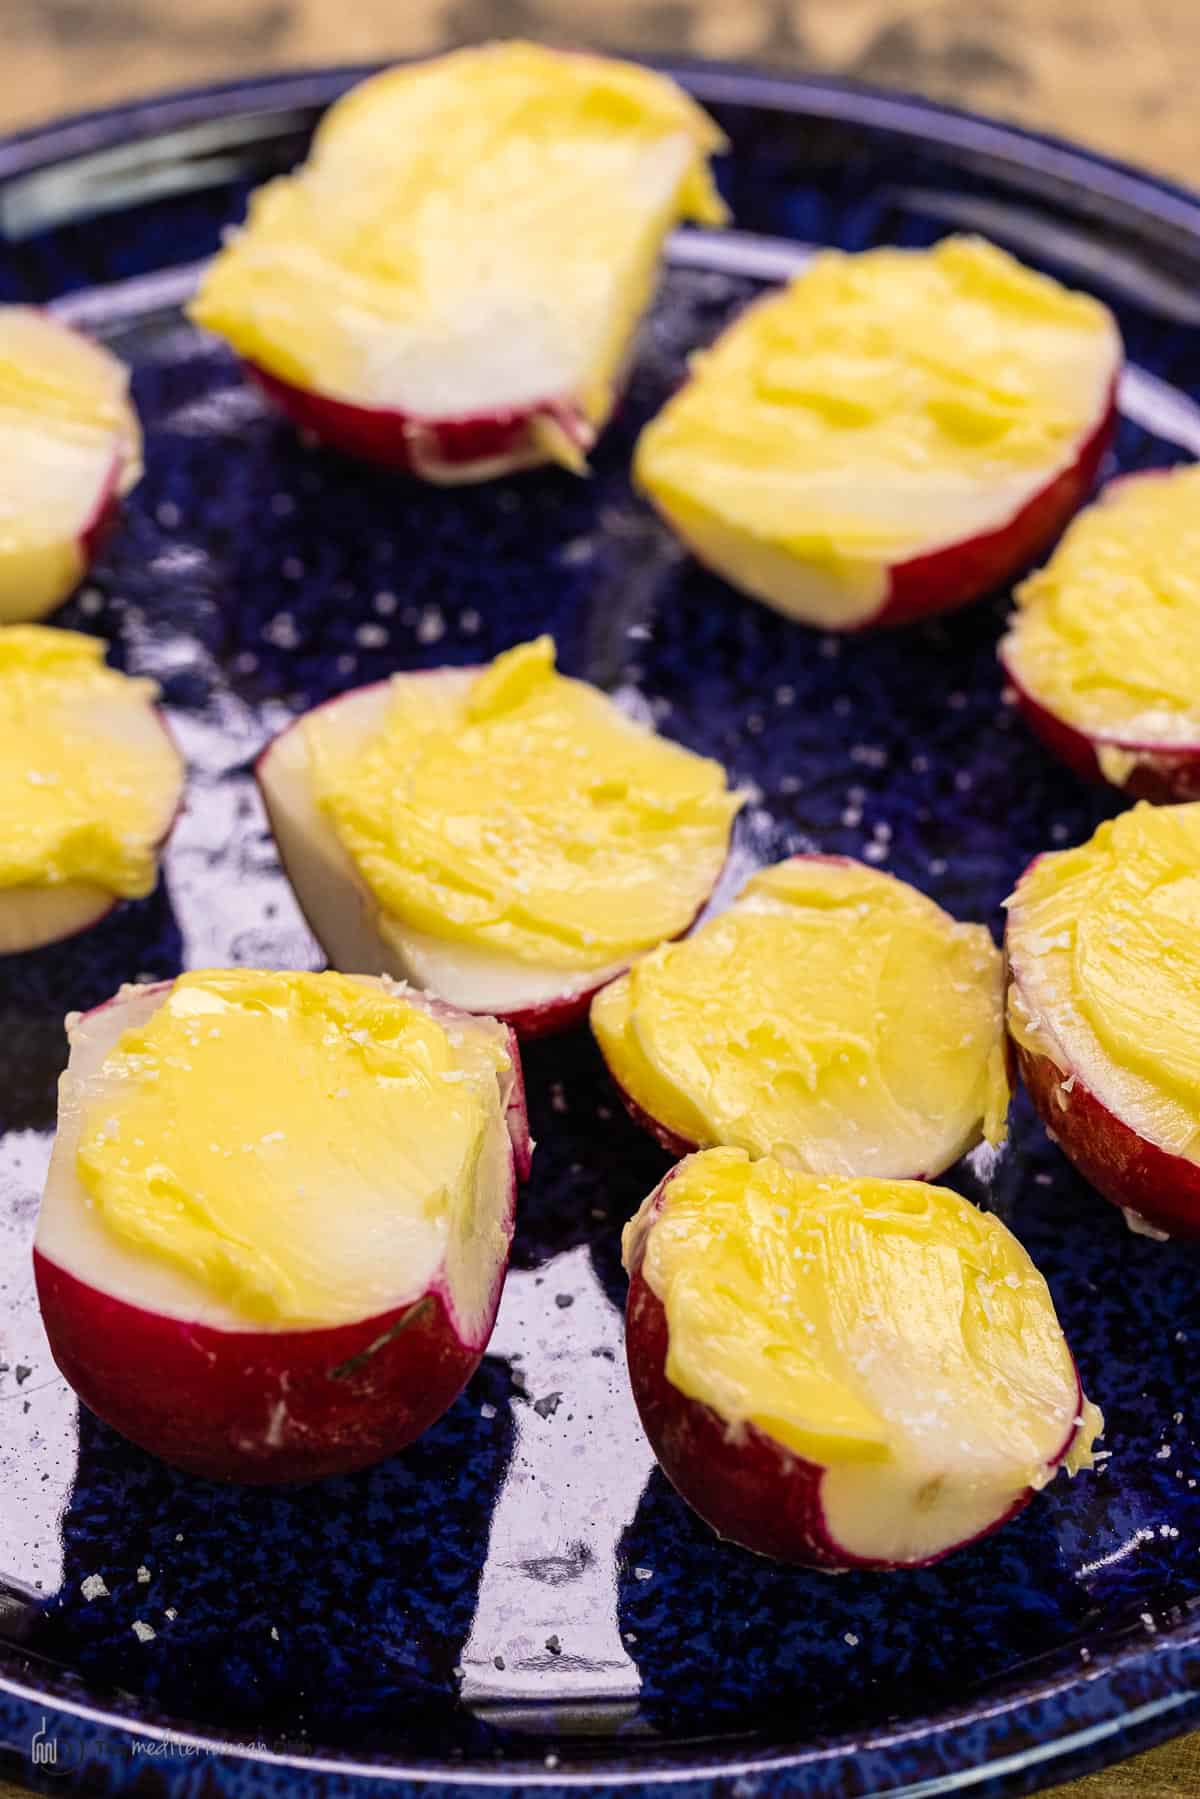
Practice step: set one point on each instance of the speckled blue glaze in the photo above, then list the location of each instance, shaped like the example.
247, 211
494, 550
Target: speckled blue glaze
520, 1600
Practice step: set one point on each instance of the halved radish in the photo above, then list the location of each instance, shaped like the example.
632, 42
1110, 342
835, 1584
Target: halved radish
1103, 949
70, 447
848, 1374
468, 311
527, 861
1104, 645
890, 436
90, 782
270, 1292
833, 1018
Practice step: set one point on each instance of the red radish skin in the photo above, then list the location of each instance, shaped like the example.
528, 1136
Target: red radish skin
961, 572
554, 1016
957, 573
1111, 1155
471, 447
257, 1407
1159, 774
517, 1117
265, 1407
747, 1487
544, 1018
106, 516
669, 1140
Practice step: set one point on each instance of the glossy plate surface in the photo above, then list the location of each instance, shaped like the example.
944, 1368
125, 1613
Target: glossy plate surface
520, 1600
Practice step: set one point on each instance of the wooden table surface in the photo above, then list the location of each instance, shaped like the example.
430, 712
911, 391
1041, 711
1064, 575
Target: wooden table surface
1122, 75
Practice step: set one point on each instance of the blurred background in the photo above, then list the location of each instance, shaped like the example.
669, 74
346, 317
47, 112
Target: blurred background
1121, 75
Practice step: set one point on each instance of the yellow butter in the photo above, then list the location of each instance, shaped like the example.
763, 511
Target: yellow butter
74, 389
88, 777
859, 1320
522, 812
1109, 965
1107, 635
66, 427
300, 1145
878, 405
834, 1018
480, 229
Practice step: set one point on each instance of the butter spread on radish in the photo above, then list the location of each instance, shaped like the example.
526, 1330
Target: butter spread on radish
301, 1148
69, 443
88, 776
887, 1332
1107, 635
521, 811
473, 234
1105, 941
833, 1017
882, 407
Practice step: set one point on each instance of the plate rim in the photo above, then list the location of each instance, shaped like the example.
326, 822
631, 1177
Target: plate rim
53, 140
1167, 1701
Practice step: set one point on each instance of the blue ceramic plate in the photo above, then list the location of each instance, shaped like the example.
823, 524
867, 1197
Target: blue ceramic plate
520, 1601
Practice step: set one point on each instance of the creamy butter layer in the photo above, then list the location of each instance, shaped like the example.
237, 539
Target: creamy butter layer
88, 776
1105, 948
886, 1330
522, 812
67, 433
833, 1017
1107, 635
302, 1149
474, 233
880, 407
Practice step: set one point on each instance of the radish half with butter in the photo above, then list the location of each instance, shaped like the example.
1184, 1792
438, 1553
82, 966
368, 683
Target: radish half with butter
844, 1373
891, 435
90, 783
277, 1216
833, 1017
451, 282
1104, 647
504, 837
70, 448
1103, 949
